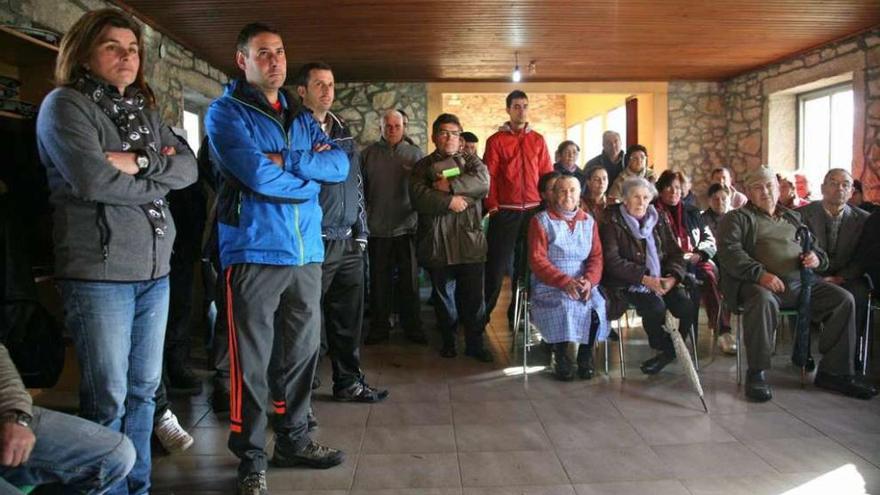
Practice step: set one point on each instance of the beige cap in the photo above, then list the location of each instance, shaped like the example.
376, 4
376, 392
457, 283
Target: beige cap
760, 174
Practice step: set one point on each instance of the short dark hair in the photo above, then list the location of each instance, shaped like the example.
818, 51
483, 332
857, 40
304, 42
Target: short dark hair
566, 144
720, 169
470, 137
544, 179
592, 170
715, 188
635, 147
668, 177
516, 94
302, 75
248, 32
445, 118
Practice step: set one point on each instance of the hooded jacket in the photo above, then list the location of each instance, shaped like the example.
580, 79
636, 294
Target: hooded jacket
269, 214
515, 160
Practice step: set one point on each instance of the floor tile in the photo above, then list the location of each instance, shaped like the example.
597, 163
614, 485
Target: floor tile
755, 484
598, 433
393, 413
866, 445
672, 430
407, 471
501, 437
765, 425
574, 410
854, 420
493, 412
711, 459
419, 392
793, 455
409, 491
664, 487
520, 490
331, 413
489, 390
608, 464
510, 468
300, 478
409, 439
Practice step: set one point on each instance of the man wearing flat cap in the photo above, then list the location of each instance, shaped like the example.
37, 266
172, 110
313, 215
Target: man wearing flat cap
760, 261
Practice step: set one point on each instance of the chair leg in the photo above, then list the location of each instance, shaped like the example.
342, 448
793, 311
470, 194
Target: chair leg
605, 345
526, 331
866, 338
739, 348
620, 349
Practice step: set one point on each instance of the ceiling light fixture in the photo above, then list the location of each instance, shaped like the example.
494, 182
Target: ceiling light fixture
517, 75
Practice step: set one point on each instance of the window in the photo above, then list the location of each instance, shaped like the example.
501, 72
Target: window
192, 124
575, 133
616, 121
593, 137
825, 131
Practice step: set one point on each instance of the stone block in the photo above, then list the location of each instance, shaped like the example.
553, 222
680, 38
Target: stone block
874, 109
384, 100
847, 47
812, 59
751, 144
872, 57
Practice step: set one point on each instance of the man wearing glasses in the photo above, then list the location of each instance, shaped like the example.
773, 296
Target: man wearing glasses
446, 188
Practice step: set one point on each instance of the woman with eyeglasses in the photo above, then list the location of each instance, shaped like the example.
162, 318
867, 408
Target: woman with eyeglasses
110, 161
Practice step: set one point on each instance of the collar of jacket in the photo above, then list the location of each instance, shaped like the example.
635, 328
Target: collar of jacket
246, 92
507, 128
337, 128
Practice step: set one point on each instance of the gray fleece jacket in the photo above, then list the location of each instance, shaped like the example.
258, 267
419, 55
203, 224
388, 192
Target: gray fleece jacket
97, 206
13, 395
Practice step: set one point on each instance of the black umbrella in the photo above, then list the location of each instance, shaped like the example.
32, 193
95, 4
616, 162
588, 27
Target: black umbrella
802, 332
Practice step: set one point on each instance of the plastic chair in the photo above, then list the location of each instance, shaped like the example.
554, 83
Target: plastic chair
625, 317
736, 317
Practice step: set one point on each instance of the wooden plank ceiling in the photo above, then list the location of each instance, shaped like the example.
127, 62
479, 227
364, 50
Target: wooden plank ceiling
455, 40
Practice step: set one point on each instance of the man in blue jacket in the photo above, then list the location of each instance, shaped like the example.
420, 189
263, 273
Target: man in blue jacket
344, 231
273, 160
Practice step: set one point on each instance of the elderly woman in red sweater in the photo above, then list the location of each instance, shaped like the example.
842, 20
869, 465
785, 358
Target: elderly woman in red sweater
565, 256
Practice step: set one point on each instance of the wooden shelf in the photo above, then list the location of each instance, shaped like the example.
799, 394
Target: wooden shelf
22, 50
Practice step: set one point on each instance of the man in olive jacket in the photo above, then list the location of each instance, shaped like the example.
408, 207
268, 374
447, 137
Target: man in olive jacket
446, 189
760, 261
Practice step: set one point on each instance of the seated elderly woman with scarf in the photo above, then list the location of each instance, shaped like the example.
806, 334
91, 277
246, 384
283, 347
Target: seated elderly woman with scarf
565, 256
644, 267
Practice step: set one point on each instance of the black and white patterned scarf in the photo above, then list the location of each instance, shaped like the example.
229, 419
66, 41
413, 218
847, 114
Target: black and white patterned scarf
127, 112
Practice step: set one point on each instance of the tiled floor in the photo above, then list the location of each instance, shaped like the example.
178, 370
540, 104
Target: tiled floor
459, 427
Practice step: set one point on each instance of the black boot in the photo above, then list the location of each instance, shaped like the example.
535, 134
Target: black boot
757, 388
562, 365
586, 370
655, 364
448, 349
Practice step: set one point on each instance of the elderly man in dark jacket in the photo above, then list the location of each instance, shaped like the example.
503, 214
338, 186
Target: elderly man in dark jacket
644, 267
760, 262
837, 228
446, 189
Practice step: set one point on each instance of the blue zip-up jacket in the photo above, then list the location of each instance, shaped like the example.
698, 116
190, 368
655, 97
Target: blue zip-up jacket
266, 214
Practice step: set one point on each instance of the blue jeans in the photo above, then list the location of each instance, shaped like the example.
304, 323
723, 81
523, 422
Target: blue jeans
119, 329
83, 456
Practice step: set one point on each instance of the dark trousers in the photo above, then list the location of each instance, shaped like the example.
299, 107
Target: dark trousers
342, 303
652, 308
830, 305
462, 283
177, 330
387, 255
220, 339
505, 228
255, 295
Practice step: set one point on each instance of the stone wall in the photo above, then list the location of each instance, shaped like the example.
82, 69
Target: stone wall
170, 69
697, 127
362, 106
760, 100
483, 113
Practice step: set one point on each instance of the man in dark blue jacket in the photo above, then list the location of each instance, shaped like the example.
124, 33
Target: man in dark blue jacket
273, 160
344, 230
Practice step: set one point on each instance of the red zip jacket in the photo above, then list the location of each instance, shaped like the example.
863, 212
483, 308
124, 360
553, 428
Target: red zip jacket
516, 160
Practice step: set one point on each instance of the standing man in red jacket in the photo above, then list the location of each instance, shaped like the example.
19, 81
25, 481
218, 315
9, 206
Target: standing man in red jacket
516, 157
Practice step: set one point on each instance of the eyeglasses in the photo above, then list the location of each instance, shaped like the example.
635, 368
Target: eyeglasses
444, 132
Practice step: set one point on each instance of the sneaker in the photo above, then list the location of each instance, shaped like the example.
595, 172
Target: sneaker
171, 435
359, 391
727, 343
184, 381
313, 455
253, 484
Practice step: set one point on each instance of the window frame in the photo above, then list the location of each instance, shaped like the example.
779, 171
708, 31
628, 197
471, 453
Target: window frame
802, 99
